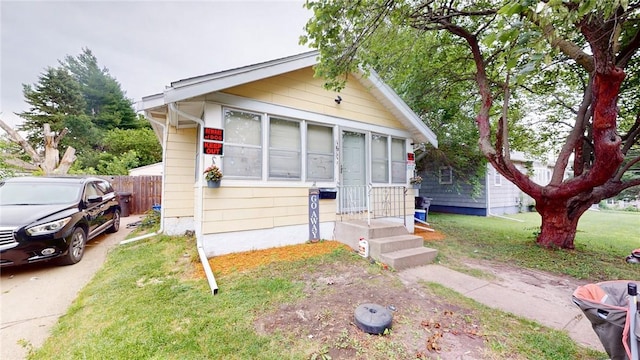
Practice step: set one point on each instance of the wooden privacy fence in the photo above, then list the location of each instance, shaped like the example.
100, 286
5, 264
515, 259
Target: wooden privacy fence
145, 191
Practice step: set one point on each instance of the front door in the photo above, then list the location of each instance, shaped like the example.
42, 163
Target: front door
353, 172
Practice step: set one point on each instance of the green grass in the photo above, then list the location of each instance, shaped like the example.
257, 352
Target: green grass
143, 305
603, 240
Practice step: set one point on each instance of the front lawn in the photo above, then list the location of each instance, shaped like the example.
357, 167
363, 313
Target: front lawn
149, 300
603, 241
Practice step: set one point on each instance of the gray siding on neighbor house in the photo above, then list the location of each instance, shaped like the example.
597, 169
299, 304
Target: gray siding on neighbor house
504, 196
453, 198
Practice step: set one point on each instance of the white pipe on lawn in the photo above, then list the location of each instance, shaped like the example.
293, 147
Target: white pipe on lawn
505, 217
203, 257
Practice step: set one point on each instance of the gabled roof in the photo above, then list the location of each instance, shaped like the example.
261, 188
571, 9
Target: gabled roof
201, 85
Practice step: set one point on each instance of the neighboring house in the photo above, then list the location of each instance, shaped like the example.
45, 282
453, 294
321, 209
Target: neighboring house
276, 132
496, 195
152, 169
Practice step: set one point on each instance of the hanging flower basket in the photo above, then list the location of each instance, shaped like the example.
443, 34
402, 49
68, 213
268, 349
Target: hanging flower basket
416, 182
213, 183
213, 175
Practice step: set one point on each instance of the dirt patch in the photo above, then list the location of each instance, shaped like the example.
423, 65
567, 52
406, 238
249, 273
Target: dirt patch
422, 328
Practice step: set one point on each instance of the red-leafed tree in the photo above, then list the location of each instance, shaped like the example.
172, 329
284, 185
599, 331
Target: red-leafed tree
583, 55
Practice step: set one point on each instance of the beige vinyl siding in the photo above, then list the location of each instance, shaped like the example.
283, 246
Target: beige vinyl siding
238, 209
179, 174
299, 89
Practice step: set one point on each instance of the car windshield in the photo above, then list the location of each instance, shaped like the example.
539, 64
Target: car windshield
38, 193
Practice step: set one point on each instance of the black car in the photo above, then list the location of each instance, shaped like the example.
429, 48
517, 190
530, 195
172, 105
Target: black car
44, 218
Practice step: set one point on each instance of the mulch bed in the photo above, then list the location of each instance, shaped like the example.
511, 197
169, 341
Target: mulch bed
237, 262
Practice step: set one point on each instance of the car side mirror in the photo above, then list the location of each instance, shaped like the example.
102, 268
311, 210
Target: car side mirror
94, 199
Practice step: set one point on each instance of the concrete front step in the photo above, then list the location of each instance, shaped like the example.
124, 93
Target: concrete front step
350, 232
393, 243
407, 258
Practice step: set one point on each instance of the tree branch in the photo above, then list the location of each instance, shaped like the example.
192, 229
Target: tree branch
15, 137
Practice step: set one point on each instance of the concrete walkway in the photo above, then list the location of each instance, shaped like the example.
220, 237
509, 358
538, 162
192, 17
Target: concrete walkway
33, 297
525, 294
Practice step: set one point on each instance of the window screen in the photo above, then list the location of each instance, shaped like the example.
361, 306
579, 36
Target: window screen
243, 144
320, 153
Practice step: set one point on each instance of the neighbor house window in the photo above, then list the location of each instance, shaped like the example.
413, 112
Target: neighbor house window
379, 159
398, 162
446, 175
284, 149
497, 178
243, 144
320, 156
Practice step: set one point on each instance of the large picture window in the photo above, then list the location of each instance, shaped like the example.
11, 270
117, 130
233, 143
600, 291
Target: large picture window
320, 156
243, 144
379, 159
284, 149
283, 154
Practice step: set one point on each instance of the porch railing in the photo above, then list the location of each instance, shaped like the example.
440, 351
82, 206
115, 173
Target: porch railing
364, 202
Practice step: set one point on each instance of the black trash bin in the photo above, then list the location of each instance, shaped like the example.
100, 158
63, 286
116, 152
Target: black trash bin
124, 199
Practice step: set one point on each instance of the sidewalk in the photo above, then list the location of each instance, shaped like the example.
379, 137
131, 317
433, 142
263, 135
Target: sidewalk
546, 302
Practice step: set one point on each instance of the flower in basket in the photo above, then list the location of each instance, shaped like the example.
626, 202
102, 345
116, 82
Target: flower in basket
416, 180
212, 173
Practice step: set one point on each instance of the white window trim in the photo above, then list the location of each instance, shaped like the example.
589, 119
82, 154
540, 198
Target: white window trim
497, 178
338, 124
450, 175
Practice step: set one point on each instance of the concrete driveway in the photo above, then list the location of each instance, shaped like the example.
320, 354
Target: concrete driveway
33, 297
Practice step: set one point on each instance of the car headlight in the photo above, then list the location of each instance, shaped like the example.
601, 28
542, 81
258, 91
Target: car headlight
49, 227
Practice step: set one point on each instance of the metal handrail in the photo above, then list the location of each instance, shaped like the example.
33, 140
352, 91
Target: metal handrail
366, 202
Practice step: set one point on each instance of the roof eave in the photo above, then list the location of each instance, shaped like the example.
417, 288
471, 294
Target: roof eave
196, 86
419, 130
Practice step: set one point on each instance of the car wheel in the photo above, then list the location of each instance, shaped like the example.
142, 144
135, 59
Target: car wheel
77, 242
116, 222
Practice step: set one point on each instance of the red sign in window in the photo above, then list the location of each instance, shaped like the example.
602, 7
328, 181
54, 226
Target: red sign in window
213, 134
212, 148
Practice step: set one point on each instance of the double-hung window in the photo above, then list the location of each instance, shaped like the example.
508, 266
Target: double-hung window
379, 158
446, 175
383, 157
284, 149
497, 178
243, 144
289, 144
398, 162
320, 158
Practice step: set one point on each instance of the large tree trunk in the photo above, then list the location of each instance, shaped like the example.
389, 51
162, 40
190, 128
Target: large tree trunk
560, 220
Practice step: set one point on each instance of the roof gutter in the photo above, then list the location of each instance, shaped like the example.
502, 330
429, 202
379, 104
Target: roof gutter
164, 154
203, 257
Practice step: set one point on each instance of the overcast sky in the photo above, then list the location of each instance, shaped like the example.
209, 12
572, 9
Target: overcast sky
145, 44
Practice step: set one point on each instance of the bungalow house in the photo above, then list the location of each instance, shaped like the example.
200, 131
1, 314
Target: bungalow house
281, 139
496, 195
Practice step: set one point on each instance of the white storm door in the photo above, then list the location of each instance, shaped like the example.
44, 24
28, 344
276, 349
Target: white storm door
353, 172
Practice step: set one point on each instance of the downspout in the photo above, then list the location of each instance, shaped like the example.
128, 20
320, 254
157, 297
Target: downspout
164, 154
488, 191
203, 257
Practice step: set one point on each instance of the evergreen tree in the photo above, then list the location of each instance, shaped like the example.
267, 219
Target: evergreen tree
55, 97
105, 101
